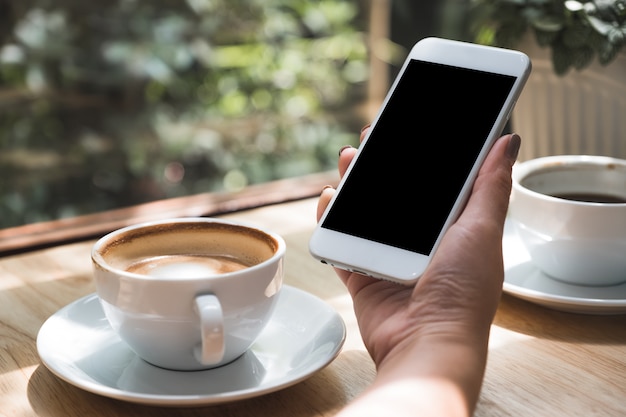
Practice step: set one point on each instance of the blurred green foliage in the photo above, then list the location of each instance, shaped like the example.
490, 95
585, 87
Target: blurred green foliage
576, 31
109, 104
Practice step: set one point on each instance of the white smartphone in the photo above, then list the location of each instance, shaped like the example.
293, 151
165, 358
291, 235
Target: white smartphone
414, 171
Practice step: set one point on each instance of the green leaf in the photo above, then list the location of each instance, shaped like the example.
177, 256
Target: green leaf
576, 36
608, 53
549, 23
562, 59
545, 38
581, 57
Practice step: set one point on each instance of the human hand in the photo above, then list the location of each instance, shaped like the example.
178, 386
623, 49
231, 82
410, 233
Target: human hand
434, 336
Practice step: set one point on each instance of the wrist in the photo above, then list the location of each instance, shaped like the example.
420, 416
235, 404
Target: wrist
434, 374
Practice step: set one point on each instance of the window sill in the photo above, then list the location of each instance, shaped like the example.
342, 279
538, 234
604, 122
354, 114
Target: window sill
39, 235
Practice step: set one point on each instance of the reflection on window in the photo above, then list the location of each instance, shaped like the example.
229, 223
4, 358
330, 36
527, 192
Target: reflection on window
110, 104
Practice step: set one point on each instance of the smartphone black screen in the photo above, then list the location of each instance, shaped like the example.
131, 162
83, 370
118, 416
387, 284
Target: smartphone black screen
419, 154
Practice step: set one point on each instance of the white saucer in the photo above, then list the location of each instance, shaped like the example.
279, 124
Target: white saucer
78, 345
522, 279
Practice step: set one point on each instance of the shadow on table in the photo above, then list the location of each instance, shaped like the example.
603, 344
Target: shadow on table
534, 320
324, 392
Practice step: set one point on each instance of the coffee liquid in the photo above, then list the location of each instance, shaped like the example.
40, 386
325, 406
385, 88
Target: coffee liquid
592, 198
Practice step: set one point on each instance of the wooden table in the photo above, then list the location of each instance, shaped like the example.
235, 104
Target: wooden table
541, 362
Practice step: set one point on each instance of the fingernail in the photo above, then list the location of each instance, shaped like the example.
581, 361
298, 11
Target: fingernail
343, 149
367, 126
512, 149
326, 187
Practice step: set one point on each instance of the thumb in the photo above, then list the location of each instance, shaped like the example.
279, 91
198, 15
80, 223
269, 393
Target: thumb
492, 188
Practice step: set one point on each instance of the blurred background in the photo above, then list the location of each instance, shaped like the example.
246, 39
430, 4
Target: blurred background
109, 104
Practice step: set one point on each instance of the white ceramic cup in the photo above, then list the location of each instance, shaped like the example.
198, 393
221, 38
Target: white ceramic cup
173, 290
579, 242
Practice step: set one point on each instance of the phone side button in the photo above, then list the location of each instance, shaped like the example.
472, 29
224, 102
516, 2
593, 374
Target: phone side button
508, 116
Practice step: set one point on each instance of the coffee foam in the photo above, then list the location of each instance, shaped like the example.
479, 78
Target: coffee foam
247, 245
186, 266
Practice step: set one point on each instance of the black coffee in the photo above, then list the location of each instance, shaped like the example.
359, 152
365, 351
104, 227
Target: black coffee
592, 198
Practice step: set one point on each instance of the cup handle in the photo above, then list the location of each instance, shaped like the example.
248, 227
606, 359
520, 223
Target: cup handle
211, 349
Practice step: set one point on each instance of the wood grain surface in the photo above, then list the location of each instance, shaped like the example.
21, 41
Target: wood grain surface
541, 362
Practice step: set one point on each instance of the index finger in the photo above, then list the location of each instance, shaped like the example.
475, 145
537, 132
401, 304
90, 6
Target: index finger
346, 154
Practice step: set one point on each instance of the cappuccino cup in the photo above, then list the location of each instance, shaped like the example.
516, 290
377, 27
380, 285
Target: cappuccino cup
570, 213
189, 293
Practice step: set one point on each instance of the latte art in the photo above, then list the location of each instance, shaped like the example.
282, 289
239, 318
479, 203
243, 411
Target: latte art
186, 266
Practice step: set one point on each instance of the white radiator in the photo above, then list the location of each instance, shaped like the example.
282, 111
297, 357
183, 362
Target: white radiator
580, 113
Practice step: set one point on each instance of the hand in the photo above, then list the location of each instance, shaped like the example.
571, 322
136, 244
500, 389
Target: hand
431, 339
